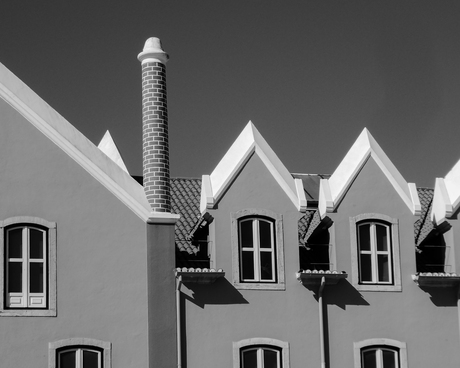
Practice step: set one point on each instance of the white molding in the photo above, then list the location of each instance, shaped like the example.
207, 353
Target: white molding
342, 178
72, 142
357, 346
249, 142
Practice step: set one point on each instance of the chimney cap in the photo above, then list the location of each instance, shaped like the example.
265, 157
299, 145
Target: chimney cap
153, 52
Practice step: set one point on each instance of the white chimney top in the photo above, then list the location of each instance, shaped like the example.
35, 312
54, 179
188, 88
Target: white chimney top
153, 52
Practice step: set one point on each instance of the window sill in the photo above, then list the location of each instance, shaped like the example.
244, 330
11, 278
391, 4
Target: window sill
27, 313
199, 275
310, 278
436, 279
377, 287
259, 286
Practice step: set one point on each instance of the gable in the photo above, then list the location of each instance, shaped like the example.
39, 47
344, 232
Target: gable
333, 190
40, 115
249, 142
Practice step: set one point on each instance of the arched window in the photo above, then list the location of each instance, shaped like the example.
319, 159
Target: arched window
260, 352
257, 249
28, 267
80, 353
380, 353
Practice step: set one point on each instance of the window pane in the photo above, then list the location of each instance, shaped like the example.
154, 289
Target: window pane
36, 277
271, 359
90, 359
389, 359
369, 359
247, 265
265, 234
15, 243
365, 267
364, 237
36, 244
15, 277
266, 266
67, 359
249, 359
382, 237
246, 237
384, 274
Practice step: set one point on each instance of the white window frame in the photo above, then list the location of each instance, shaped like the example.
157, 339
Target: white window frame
394, 253
29, 304
79, 355
56, 347
380, 344
277, 244
262, 343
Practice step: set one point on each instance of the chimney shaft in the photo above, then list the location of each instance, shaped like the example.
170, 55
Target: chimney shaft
155, 126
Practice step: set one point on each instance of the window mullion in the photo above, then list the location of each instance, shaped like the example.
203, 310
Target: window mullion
260, 358
374, 263
379, 357
25, 266
256, 243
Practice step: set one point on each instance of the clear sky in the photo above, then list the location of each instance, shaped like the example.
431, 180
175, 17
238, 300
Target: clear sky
309, 74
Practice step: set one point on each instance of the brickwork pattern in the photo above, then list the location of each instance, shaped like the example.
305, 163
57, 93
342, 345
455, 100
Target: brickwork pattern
155, 137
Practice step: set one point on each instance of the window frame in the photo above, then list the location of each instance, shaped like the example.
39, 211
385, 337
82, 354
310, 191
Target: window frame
393, 228
50, 290
56, 347
380, 343
261, 342
277, 220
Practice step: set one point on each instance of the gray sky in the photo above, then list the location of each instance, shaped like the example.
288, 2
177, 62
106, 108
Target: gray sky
309, 74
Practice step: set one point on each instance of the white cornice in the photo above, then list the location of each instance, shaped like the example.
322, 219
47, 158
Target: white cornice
249, 142
333, 189
72, 142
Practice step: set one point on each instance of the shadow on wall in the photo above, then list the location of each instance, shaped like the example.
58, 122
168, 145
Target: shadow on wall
341, 295
442, 297
220, 292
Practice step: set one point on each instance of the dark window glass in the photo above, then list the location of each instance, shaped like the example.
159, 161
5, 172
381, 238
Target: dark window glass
369, 359
271, 359
36, 277
364, 237
246, 234
265, 234
366, 267
15, 243
15, 277
249, 359
266, 266
67, 359
384, 275
248, 265
389, 359
36, 244
90, 359
382, 237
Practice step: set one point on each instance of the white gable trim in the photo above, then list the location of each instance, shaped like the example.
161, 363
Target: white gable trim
65, 136
333, 189
249, 142
108, 146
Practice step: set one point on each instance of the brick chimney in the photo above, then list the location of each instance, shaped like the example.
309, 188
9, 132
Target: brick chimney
155, 126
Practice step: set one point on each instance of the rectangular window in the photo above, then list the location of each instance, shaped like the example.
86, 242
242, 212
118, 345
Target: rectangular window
26, 267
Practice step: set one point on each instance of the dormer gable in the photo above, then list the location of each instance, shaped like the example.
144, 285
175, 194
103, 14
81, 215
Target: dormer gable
332, 190
446, 200
249, 142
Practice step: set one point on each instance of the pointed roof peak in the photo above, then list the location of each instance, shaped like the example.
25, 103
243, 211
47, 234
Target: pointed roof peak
248, 142
365, 146
108, 146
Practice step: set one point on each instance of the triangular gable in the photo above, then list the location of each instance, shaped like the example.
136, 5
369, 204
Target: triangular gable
446, 200
108, 146
249, 141
73, 143
333, 189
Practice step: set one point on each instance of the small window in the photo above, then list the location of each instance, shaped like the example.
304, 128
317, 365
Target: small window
80, 353
261, 357
375, 253
260, 352
380, 353
28, 267
374, 247
79, 357
257, 249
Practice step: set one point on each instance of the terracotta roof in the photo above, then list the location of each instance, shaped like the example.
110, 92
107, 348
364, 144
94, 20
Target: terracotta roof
423, 226
185, 200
